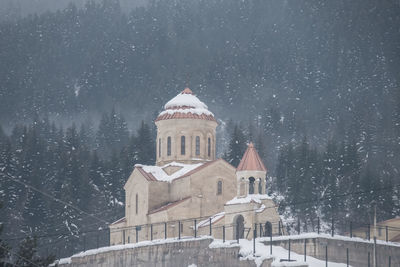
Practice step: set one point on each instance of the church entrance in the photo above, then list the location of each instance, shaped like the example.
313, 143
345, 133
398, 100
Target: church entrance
238, 227
268, 229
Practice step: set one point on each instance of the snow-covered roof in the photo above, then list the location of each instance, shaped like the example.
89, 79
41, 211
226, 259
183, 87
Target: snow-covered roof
168, 205
185, 99
158, 173
185, 106
255, 198
214, 218
122, 220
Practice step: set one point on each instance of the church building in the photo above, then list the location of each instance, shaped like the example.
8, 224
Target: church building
187, 182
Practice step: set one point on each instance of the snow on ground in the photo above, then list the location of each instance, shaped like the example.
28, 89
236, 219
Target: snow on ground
278, 253
246, 250
335, 237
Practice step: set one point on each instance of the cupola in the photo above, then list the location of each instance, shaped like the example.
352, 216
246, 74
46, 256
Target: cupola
185, 131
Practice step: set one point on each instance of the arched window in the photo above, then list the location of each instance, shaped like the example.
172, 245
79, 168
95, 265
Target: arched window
169, 146
251, 185
137, 203
209, 147
219, 188
182, 145
159, 147
259, 186
197, 145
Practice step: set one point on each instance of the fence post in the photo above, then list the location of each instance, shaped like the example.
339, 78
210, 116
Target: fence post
165, 230
326, 255
369, 256
223, 233
97, 241
305, 250
318, 225
369, 232
289, 250
179, 229
351, 229
347, 257
298, 225
195, 228
109, 236
151, 232
387, 233
390, 261
279, 227
270, 244
375, 254
254, 241
137, 234
333, 227
210, 228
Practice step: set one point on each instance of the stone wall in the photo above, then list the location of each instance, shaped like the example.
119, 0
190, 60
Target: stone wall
358, 251
183, 253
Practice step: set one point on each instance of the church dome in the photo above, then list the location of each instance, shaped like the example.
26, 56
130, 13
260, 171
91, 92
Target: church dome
185, 106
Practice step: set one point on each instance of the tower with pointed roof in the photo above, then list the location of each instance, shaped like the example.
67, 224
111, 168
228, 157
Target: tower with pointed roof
185, 131
251, 173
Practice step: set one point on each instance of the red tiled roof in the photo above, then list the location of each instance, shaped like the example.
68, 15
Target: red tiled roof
179, 115
251, 161
169, 205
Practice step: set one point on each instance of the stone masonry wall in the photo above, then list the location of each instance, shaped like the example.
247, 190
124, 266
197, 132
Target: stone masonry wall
172, 254
358, 251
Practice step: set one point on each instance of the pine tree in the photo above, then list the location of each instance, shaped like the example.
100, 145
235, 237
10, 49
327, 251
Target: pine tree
237, 146
144, 145
4, 248
28, 254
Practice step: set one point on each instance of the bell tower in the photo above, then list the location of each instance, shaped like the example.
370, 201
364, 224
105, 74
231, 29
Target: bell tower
251, 173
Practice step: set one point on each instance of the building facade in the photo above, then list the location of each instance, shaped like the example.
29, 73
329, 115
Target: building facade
188, 187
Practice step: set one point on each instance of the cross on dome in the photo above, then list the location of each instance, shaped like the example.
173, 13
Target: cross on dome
187, 91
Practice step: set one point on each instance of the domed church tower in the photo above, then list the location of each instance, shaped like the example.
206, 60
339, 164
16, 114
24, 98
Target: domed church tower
186, 131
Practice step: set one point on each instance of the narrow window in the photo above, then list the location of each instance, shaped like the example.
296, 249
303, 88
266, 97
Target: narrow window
259, 186
197, 145
159, 147
137, 204
251, 185
182, 145
219, 188
209, 147
169, 146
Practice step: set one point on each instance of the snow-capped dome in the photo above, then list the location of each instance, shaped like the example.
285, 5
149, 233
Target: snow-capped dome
185, 105
185, 99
